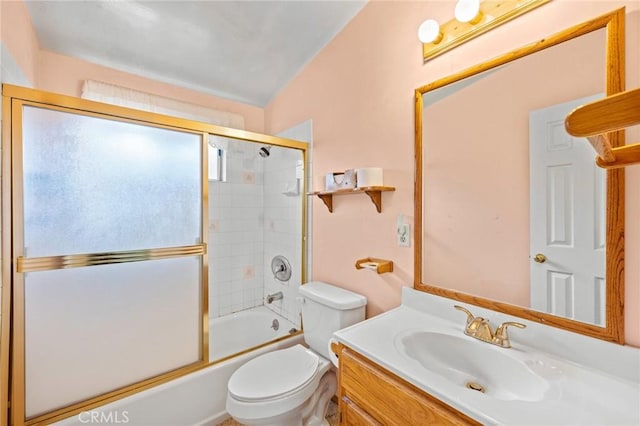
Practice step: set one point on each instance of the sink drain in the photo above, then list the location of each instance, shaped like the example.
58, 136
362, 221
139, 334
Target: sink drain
475, 386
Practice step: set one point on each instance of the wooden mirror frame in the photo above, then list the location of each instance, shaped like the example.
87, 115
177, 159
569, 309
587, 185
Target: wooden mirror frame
613, 331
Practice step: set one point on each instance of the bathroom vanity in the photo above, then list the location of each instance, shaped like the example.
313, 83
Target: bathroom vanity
414, 365
371, 395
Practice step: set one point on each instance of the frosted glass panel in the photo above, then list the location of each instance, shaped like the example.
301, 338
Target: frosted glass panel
94, 185
92, 330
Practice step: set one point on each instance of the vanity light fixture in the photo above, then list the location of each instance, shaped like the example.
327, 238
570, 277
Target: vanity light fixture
429, 32
468, 11
472, 18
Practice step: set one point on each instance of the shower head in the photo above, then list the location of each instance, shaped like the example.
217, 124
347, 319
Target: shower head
264, 151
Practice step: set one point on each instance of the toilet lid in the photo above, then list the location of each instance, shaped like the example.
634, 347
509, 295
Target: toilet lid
274, 374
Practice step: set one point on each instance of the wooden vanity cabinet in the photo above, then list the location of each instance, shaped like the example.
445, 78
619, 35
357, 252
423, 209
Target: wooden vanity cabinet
370, 395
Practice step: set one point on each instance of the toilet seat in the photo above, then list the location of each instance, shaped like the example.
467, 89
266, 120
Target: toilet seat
274, 375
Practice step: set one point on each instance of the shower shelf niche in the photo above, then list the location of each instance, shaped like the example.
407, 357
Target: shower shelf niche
374, 192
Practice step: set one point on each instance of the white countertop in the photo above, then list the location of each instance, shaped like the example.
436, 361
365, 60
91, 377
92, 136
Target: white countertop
590, 383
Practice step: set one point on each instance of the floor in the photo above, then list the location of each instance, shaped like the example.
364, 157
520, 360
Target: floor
332, 417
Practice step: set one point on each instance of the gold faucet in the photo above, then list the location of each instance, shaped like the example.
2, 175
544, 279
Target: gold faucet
480, 329
501, 338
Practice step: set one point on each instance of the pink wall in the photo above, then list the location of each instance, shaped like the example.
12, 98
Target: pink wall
18, 37
62, 74
65, 75
359, 93
476, 170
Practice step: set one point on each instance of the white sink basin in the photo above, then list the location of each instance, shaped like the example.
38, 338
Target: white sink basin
549, 376
468, 362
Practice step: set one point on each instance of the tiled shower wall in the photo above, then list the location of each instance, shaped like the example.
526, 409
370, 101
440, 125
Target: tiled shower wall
283, 192
254, 216
285, 237
236, 231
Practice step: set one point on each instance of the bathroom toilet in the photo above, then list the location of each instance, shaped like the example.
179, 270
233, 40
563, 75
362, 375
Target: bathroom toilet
293, 386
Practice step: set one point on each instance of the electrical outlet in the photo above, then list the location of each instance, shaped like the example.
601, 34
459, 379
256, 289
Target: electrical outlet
404, 235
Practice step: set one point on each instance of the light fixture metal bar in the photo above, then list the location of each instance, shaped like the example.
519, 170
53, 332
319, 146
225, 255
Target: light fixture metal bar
47, 263
493, 14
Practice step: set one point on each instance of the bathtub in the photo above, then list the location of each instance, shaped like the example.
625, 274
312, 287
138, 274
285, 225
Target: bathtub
197, 399
242, 330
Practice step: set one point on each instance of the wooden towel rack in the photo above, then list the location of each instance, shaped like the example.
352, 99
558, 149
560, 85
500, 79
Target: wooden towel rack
594, 120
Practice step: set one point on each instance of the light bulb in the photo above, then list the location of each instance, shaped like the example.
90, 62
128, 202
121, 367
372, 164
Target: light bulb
468, 11
429, 32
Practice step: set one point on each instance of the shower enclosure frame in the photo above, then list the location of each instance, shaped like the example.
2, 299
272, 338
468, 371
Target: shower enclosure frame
12, 332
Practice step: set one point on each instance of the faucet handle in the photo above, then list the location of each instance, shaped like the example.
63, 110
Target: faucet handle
470, 316
501, 337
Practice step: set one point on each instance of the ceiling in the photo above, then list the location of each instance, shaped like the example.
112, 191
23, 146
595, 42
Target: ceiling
241, 50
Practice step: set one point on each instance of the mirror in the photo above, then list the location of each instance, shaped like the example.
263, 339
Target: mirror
511, 212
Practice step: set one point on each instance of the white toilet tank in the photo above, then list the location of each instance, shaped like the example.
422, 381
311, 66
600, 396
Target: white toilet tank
326, 309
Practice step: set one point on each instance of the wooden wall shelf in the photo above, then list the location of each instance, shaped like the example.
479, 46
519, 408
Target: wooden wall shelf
374, 192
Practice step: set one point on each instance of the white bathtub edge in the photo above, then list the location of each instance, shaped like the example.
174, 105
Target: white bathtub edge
192, 395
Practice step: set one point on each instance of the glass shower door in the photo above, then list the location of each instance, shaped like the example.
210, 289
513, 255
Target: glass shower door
108, 243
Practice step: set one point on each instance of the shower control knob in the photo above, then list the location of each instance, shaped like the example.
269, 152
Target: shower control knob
281, 268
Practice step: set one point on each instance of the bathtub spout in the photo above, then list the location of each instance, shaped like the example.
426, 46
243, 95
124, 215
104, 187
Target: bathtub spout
273, 297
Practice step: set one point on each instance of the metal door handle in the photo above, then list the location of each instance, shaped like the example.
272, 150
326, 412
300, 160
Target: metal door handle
540, 258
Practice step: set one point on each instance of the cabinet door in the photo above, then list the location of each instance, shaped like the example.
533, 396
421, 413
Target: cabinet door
353, 415
387, 398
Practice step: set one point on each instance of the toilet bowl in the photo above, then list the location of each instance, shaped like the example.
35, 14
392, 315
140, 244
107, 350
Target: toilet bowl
282, 388
293, 386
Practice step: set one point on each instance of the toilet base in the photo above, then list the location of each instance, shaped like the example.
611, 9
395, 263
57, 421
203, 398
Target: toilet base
316, 410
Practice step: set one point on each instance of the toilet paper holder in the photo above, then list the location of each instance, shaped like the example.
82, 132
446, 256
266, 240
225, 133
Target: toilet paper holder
379, 265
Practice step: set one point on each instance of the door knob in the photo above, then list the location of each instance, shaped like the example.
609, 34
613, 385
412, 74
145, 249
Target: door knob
540, 258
